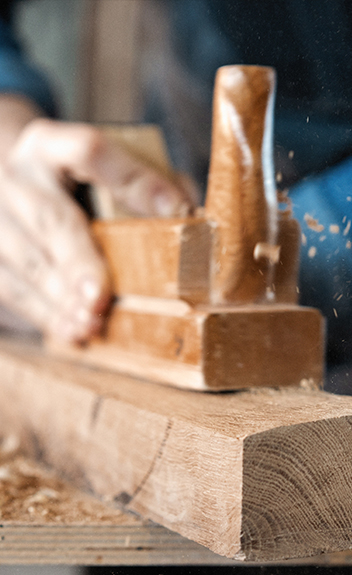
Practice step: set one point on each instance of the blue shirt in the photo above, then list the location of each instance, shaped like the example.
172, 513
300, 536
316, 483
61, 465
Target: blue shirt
19, 76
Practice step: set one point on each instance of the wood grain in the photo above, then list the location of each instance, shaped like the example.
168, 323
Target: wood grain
73, 528
241, 195
140, 544
260, 476
285, 281
45, 520
167, 258
208, 349
171, 258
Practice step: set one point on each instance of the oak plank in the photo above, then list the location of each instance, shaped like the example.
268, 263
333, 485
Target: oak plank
261, 475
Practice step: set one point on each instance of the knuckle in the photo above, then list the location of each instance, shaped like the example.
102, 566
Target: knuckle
31, 139
91, 144
35, 264
37, 128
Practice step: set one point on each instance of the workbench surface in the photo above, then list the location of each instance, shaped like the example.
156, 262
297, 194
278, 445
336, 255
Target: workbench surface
44, 520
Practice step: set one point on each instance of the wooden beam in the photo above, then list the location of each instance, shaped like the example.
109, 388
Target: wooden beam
261, 475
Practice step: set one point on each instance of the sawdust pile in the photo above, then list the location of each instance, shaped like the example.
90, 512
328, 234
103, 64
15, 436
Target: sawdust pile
29, 493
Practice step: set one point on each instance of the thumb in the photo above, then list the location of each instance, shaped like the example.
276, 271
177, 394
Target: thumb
87, 155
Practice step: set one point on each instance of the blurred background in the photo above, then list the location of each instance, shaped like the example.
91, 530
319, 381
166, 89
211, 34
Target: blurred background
100, 61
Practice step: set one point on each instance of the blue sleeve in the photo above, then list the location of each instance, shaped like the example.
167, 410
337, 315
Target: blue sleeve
19, 76
326, 253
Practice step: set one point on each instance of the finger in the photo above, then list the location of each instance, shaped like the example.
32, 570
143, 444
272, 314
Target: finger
33, 267
29, 302
59, 235
28, 260
22, 299
147, 195
87, 155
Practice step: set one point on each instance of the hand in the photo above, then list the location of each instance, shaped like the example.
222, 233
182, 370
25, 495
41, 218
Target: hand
50, 269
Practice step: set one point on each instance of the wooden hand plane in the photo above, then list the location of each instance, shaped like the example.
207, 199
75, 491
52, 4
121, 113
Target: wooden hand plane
209, 302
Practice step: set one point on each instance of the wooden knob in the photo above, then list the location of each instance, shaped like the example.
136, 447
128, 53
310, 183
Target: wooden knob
241, 195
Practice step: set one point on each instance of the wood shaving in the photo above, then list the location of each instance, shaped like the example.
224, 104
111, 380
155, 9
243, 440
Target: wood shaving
347, 228
334, 229
308, 384
313, 224
312, 252
4, 473
9, 445
283, 199
30, 493
43, 495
